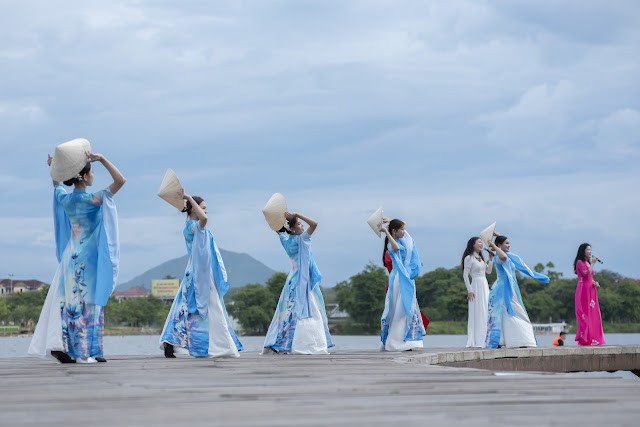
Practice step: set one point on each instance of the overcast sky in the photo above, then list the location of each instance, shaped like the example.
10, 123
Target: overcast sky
450, 115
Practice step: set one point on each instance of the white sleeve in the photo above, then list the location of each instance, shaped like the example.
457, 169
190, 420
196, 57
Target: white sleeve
489, 267
466, 272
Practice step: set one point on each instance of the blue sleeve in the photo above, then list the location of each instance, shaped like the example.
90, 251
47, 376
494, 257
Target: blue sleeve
193, 226
58, 193
218, 268
284, 238
407, 286
524, 268
289, 243
101, 196
108, 251
61, 223
415, 263
201, 265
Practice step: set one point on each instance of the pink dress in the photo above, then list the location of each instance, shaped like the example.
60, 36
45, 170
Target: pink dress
587, 308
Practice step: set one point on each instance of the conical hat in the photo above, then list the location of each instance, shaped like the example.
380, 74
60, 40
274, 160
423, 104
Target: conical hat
374, 220
487, 234
171, 190
69, 159
274, 211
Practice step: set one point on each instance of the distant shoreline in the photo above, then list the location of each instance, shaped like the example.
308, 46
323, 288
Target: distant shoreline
435, 328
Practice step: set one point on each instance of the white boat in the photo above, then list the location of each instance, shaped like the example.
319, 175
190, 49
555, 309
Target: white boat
550, 328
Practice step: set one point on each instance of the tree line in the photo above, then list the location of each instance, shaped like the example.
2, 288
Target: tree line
441, 294
253, 305
23, 309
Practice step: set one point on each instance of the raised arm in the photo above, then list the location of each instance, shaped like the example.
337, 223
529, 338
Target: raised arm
394, 244
489, 267
118, 178
195, 208
310, 222
501, 254
49, 159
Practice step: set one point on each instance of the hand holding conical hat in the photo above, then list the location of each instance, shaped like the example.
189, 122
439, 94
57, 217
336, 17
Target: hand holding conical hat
171, 190
274, 211
375, 220
487, 234
69, 158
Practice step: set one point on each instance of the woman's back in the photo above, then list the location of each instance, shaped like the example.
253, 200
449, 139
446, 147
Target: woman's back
82, 208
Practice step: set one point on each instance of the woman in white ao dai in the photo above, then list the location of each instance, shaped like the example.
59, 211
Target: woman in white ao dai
474, 265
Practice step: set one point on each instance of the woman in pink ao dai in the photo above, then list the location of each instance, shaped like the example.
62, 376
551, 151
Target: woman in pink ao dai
588, 315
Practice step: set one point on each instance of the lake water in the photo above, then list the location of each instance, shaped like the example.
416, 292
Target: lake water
143, 345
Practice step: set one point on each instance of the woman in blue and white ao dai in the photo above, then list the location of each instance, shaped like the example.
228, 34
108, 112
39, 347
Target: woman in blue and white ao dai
401, 323
509, 323
87, 248
198, 322
299, 324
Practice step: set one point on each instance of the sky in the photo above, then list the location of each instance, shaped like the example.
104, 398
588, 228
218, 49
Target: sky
450, 115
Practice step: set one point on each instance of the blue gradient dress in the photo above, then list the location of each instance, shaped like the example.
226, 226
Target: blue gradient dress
299, 324
509, 323
87, 248
401, 323
198, 321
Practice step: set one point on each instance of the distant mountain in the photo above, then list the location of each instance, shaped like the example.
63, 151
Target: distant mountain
241, 270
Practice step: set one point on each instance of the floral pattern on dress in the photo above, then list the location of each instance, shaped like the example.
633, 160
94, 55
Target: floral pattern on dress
283, 325
187, 326
82, 320
589, 328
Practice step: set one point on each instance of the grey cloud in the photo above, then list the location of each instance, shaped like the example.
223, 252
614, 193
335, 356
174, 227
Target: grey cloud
450, 114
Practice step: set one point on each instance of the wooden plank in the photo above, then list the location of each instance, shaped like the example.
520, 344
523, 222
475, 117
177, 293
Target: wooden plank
342, 389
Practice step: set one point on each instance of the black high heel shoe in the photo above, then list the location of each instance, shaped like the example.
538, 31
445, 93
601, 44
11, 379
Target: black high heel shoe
62, 357
168, 351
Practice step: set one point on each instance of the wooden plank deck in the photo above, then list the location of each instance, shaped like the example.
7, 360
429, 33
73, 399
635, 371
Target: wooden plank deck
342, 389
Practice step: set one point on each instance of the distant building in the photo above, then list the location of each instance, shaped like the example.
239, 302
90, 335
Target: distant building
19, 286
131, 293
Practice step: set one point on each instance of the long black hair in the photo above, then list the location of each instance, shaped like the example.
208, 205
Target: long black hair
580, 256
189, 207
85, 170
394, 224
469, 250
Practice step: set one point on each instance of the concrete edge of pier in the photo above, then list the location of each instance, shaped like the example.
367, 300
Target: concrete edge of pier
554, 359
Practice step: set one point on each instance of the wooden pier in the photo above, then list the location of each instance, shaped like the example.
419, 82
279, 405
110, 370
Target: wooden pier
554, 359
345, 388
